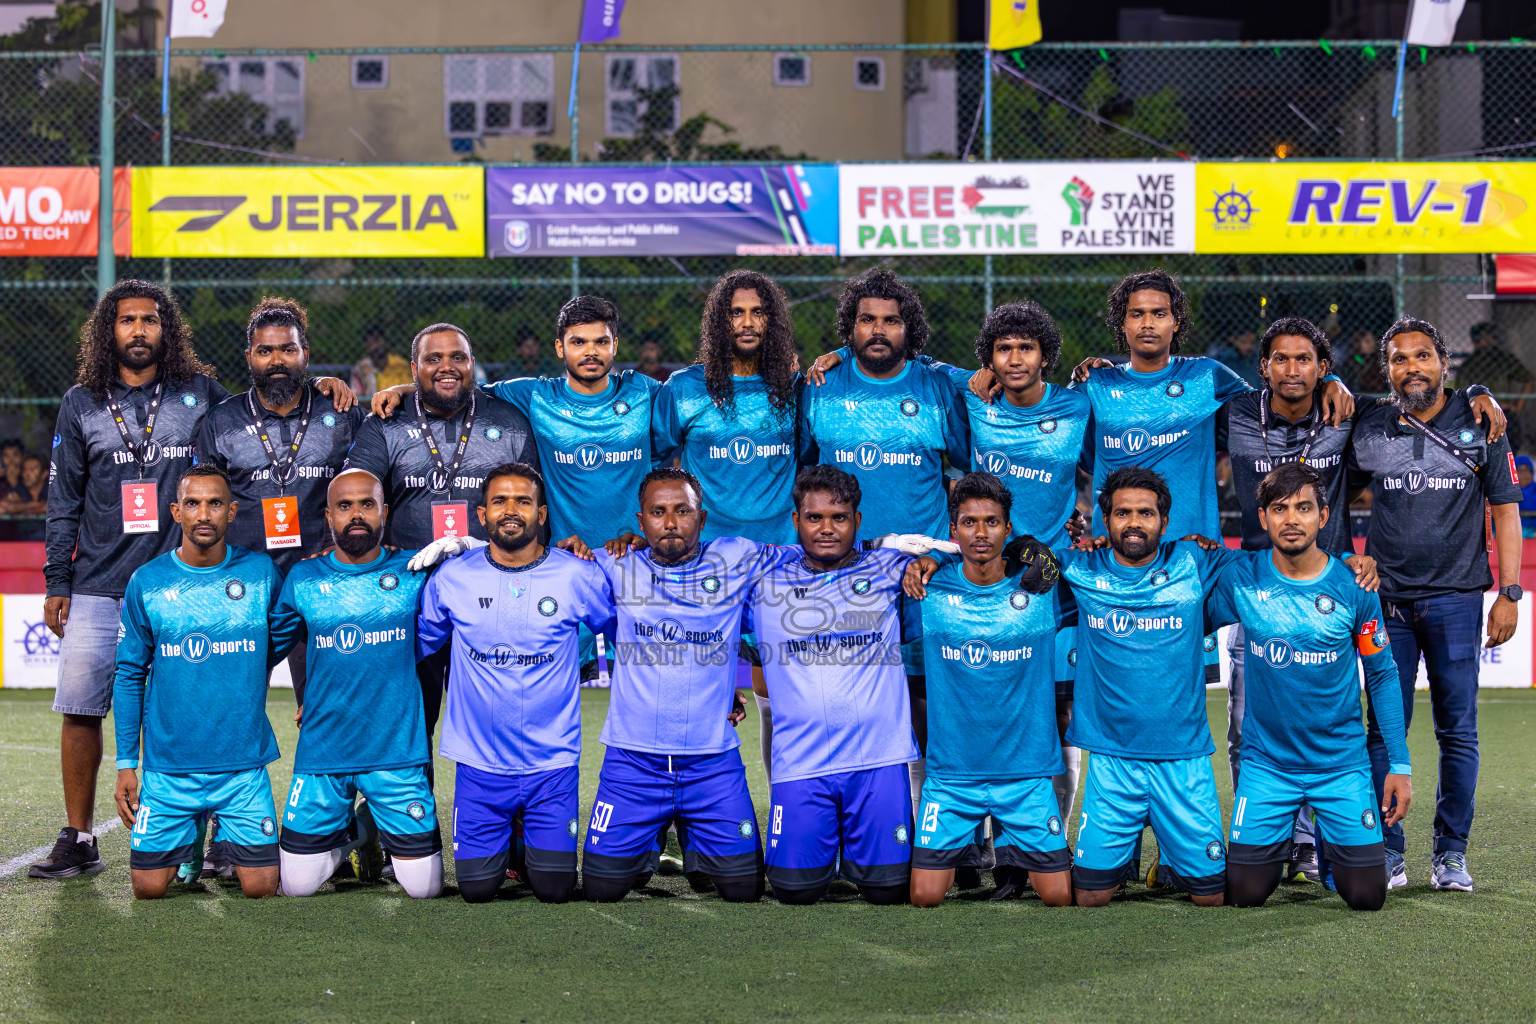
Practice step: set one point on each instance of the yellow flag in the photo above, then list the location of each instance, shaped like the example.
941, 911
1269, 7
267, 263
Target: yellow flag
1015, 23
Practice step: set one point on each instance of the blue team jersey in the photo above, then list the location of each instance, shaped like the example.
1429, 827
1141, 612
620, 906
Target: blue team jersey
593, 449
514, 698
676, 629
831, 648
1140, 690
1302, 710
192, 660
1164, 421
892, 435
744, 457
362, 700
989, 657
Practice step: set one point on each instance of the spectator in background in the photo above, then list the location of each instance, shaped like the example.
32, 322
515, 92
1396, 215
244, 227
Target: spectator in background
379, 368
1226, 498
650, 362
533, 358
10, 464
1525, 468
1240, 355
29, 498
1361, 368
1493, 365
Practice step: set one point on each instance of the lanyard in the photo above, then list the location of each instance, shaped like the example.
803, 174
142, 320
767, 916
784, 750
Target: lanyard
281, 470
139, 450
446, 473
1318, 422
1444, 442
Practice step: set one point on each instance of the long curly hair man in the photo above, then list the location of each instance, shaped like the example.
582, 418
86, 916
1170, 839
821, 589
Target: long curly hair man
98, 341
776, 355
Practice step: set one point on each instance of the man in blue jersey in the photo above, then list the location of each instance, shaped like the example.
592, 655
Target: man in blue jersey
361, 724
513, 724
993, 747
1304, 618
830, 626
192, 660
672, 754
731, 418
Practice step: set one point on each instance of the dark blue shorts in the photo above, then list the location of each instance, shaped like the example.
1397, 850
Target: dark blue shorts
638, 794
484, 805
867, 814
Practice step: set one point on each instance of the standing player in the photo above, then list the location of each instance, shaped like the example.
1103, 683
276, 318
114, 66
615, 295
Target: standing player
433, 460
192, 679
830, 624
1305, 618
1432, 474
671, 754
514, 715
992, 743
281, 443
361, 722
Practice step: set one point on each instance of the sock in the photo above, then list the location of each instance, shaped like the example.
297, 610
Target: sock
917, 771
303, 873
420, 877
1065, 784
86, 837
765, 735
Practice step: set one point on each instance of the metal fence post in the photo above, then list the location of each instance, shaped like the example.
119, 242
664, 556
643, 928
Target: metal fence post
1397, 154
106, 255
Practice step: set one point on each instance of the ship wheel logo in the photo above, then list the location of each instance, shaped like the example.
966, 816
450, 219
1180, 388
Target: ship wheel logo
1233, 209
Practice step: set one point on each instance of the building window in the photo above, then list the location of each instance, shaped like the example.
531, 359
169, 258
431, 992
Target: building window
869, 73
501, 94
370, 72
791, 69
275, 82
633, 80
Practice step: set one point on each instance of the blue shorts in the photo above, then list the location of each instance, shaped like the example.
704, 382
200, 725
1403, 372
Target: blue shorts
172, 810
638, 794
1027, 826
1177, 798
88, 656
318, 816
865, 814
484, 804
1343, 804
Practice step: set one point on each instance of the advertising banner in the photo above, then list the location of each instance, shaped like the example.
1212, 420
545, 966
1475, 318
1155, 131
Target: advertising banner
51, 211
1365, 207
662, 211
966, 208
308, 211
31, 655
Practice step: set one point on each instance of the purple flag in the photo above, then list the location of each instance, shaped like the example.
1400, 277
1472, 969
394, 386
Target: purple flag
600, 20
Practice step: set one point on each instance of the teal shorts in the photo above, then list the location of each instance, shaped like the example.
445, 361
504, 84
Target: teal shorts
1177, 798
318, 817
1027, 830
173, 808
1343, 805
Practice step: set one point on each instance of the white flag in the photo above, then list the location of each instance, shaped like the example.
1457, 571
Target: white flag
1433, 22
200, 18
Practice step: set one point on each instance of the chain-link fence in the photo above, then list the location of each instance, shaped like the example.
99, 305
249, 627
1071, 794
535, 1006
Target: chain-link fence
743, 104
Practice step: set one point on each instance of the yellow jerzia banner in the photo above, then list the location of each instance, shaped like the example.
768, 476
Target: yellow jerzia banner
309, 211
1365, 207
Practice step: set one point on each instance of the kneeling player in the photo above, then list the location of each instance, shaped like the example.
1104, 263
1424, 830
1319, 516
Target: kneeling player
192, 659
362, 728
1303, 618
992, 742
830, 632
513, 724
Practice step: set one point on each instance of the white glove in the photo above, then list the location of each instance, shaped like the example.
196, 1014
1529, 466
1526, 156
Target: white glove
443, 547
916, 544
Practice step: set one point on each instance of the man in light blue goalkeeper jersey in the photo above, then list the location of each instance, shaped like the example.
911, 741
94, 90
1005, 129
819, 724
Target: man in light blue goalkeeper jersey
1304, 620
192, 659
514, 702
830, 628
672, 753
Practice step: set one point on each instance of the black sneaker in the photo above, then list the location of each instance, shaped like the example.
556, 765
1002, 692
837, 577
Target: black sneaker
70, 857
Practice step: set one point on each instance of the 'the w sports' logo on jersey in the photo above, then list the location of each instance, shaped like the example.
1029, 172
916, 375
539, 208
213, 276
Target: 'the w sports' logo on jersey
1371, 639
589, 456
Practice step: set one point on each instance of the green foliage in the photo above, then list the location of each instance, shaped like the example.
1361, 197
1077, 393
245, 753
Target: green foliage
1026, 125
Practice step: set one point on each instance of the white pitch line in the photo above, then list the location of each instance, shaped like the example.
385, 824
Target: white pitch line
15, 864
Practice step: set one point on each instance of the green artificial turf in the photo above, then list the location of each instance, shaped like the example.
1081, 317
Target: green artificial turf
81, 950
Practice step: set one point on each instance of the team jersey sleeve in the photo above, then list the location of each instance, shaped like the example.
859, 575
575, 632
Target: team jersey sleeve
957, 430
808, 452
911, 619
370, 450
66, 498
1214, 564
1227, 383
216, 393
285, 623
1500, 485
517, 392
207, 444
434, 624
135, 651
598, 609
1221, 601
1222, 423
667, 427
1381, 680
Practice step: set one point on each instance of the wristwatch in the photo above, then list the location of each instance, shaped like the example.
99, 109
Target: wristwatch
1514, 593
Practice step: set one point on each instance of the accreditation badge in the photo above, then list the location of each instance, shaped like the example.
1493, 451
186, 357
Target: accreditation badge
450, 519
141, 510
280, 518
